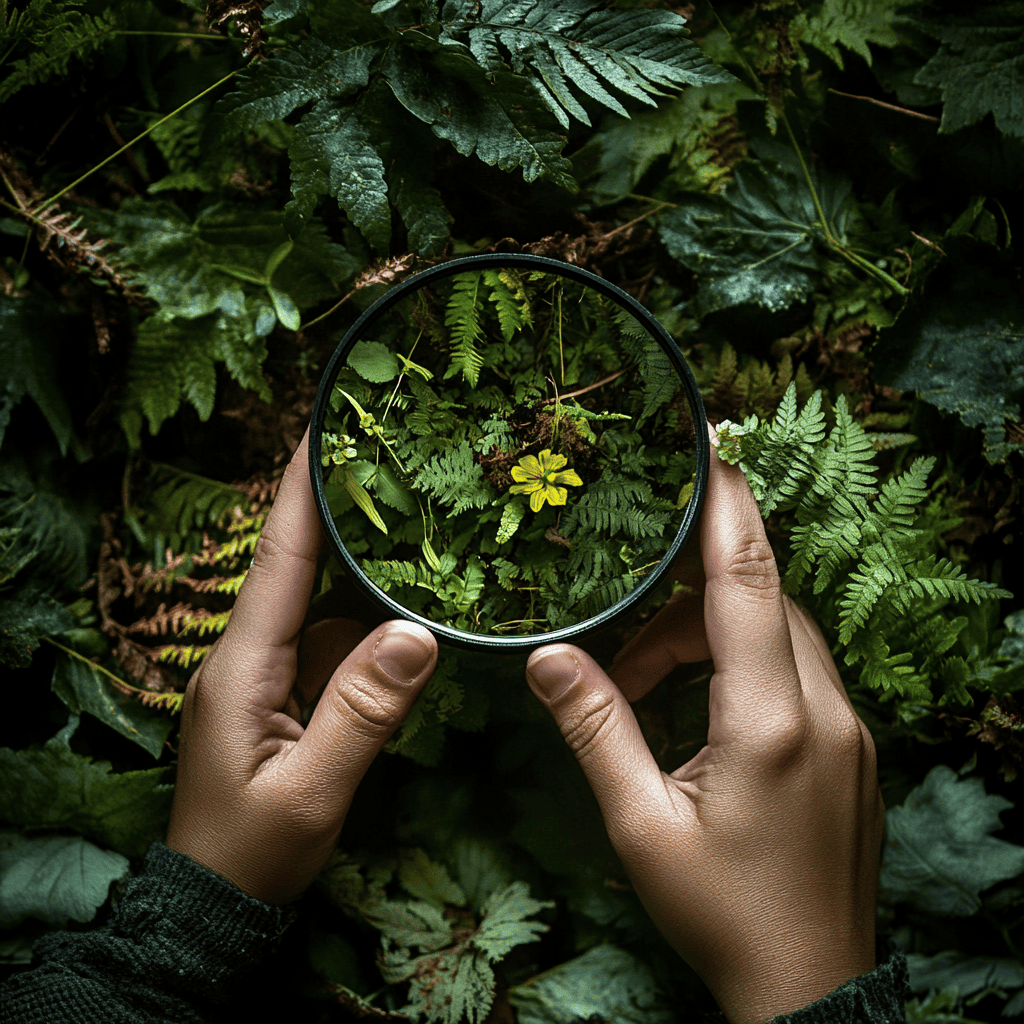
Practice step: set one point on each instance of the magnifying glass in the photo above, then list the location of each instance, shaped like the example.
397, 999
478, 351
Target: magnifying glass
509, 450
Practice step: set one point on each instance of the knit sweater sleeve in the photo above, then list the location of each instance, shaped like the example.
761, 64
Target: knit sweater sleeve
873, 998
179, 942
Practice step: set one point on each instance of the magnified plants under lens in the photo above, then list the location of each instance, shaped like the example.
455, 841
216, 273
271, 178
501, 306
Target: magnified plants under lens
507, 452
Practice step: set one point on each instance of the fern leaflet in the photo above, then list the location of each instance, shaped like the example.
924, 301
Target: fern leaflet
463, 317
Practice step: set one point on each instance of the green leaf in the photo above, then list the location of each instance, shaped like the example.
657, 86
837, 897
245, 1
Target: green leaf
849, 23
511, 516
332, 154
276, 258
373, 361
759, 240
54, 878
605, 983
24, 621
392, 491
960, 345
638, 51
312, 70
505, 923
29, 334
499, 117
358, 493
83, 688
422, 878
286, 310
966, 974
939, 854
979, 67
456, 479
53, 787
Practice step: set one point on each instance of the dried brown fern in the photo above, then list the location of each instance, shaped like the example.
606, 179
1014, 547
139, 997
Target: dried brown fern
60, 237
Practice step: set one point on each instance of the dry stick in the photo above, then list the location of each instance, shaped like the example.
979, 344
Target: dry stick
583, 391
928, 242
888, 106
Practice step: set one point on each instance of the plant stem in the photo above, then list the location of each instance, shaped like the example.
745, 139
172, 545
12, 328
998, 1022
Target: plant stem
156, 124
175, 35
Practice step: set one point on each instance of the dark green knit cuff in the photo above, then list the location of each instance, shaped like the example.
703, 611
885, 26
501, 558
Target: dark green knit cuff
195, 925
874, 998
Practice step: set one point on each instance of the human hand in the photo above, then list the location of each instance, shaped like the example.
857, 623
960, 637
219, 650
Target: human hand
259, 799
757, 859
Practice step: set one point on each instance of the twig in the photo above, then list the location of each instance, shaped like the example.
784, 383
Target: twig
582, 391
928, 242
888, 106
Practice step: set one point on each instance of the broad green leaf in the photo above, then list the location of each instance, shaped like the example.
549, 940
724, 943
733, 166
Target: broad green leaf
276, 258
850, 23
422, 210
979, 67
392, 491
82, 688
54, 878
52, 787
24, 621
311, 70
759, 240
30, 333
939, 854
498, 117
332, 154
960, 344
358, 493
605, 983
967, 974
373, 361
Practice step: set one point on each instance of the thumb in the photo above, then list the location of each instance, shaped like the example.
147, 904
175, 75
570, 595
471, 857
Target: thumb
601, 730
365, 701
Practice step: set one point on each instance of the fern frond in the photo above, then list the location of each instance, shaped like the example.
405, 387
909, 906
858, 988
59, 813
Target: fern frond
510, 303
463, 316
203, 622
573, 44
894, 511
56, 37
455, 480
187, 656
616, 505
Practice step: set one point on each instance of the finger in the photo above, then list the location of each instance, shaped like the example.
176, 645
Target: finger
324, 646
263, 634
808, 637
674, 636
366, 699
601, 730
745, 620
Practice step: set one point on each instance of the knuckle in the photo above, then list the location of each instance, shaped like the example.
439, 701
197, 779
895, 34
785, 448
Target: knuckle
367, 705
785, 737
753, 565
596, 718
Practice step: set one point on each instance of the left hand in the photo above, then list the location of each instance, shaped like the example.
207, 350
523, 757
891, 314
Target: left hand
259, 799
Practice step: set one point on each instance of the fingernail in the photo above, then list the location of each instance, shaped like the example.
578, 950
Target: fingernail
551, 673
401, 654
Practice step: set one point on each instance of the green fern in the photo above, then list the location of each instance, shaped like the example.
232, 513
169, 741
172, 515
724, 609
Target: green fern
463, 316
510, 300
617, 505
578, 44
455, 479
55, 35
842, 519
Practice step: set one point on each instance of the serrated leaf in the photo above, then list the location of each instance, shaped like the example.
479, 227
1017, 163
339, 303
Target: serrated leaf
24, 621
53, 787
511, 516
850, 23
505, 923
960, 345
938, 853
373, 361
979, 67
332, 154
422, 878
605, 983
759, 240
54, 878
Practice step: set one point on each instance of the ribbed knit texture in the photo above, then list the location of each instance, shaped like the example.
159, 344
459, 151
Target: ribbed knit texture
178, 943
182, 939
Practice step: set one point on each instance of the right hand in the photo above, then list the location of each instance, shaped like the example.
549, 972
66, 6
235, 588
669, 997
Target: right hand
758, 859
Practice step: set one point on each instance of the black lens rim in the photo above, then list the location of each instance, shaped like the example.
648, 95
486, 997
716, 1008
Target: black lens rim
478, 641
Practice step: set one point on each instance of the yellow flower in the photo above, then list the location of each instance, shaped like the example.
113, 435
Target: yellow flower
539, 477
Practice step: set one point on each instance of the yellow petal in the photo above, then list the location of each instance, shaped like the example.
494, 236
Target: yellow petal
527, 488
530, 465
556, 495
521, 475
537, 499
567, 476
554, 462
